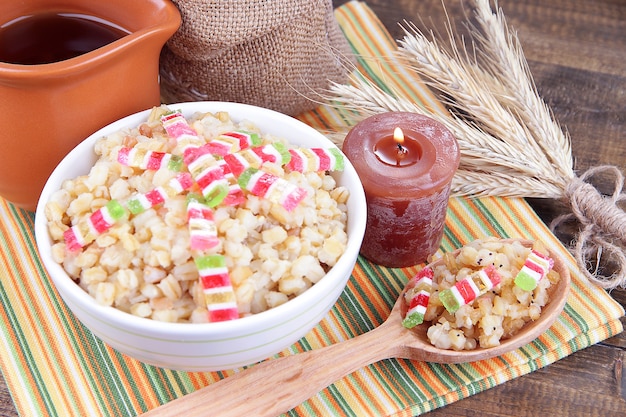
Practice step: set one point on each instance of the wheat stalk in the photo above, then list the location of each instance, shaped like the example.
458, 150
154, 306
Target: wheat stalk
507, 57
510, 143
494, 139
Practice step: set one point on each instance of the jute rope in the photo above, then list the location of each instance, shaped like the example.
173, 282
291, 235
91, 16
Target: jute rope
602, 238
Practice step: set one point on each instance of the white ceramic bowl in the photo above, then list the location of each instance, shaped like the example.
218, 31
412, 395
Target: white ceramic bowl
211, 346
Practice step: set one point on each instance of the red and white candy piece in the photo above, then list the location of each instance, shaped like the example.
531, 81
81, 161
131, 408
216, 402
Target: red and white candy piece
235, 195
255, 157
277, 190
98, 222
177, 126
470, 288
315, 160
214, 185
151, 160
217, 288
142, 202
536, 266
418, 295
202, 228
187, 138
215, 180
231, 142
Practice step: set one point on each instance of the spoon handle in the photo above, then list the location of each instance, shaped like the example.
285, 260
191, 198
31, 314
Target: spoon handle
275, 386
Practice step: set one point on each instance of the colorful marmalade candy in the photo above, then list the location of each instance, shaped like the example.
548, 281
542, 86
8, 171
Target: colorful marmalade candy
234, 195
202, 228
470, 288
536, 266
216, 181
230, 142
256, 157
274, 188
217, 288
420, 295
142, 202
87, 230
152, 160
315, 160
178, 128
188, 140
210, 177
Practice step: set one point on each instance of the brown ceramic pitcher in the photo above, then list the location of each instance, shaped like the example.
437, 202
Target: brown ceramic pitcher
47, 109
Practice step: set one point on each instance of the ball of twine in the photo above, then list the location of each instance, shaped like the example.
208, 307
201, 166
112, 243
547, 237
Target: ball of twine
601, 242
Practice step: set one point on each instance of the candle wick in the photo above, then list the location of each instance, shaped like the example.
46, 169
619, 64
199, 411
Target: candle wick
401, 148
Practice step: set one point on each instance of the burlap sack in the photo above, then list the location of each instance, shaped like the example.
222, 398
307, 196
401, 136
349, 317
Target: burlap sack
271, 53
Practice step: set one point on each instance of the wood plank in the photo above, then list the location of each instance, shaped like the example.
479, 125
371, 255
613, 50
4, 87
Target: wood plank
591, 382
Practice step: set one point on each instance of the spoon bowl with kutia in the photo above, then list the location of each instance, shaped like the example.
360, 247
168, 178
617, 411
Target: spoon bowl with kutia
275, 386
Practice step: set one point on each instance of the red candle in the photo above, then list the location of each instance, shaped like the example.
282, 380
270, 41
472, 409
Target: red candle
406, 162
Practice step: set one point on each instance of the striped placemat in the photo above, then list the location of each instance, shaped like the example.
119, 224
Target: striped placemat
55, 367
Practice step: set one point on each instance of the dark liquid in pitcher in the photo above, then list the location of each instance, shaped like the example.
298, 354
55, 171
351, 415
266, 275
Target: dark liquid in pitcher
51, 37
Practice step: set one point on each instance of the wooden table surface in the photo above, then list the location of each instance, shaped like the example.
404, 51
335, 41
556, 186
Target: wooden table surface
576, 51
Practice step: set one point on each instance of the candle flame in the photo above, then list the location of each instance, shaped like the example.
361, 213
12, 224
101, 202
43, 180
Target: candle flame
398, 136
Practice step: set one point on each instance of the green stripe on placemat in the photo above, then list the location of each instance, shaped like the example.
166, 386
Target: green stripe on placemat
43, 347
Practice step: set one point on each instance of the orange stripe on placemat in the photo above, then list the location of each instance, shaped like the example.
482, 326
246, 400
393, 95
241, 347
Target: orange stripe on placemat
351, 389
331, 329
488, 368
200, 379
43, 351
389, 376
525, 225
140, 382
460, 222
16, 371
381, 388
38, 339
318, 119
369, 309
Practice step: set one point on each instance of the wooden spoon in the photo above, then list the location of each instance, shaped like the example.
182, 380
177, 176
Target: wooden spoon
275, 386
